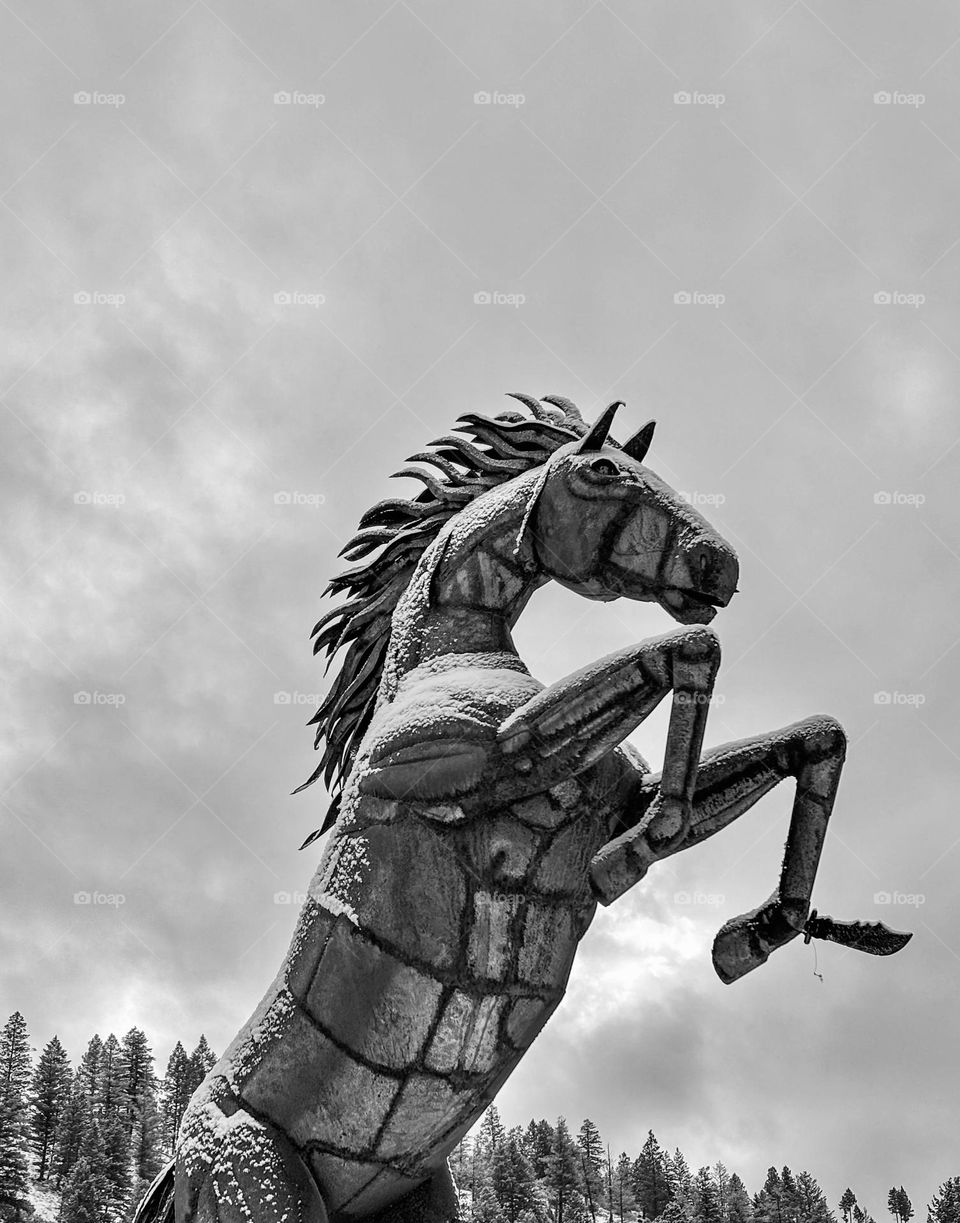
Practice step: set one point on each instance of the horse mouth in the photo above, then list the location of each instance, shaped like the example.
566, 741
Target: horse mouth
690, 606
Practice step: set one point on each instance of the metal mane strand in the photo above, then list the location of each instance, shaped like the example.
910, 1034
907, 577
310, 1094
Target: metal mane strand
494, 450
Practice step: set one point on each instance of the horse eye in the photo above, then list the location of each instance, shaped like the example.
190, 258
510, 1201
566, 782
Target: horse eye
604, 467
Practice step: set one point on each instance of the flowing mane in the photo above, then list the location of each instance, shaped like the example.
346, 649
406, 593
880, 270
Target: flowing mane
495, 450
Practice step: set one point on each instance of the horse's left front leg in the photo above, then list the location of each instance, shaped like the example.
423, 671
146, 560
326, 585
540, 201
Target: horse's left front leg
729, 781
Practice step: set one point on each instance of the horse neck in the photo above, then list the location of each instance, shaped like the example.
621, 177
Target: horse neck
471, 585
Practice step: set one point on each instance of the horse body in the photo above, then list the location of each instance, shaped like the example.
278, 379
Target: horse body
480, 818
437, 937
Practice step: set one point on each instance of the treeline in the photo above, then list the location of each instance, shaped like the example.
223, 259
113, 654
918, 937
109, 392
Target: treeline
95, 1134
544, 1174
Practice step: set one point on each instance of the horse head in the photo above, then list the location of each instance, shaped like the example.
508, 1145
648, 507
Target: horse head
606, 526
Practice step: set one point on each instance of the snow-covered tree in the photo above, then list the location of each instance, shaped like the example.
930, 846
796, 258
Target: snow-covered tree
651, 1184
48, 1097
175, 1093
590, 1146
15, 1074
706, 1198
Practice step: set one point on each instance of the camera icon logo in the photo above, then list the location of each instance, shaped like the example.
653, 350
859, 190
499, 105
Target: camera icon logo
81, 898
81, 698
282, 98
682, 298
81, 98
482, 98
281, 698
881, 698
682, 98
281, 498
882, 898
481, 299
882, 298
881, 98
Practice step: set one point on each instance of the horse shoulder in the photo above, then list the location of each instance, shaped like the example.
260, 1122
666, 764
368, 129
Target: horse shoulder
434, 740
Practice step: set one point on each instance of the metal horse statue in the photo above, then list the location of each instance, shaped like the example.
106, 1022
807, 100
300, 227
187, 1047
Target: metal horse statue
479, 817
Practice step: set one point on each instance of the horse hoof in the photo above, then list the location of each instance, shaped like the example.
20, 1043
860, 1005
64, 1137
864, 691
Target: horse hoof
737, 950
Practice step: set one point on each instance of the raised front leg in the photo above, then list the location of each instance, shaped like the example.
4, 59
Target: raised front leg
575, 722
730, 780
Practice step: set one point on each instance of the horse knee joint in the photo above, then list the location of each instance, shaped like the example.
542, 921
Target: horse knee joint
827, 735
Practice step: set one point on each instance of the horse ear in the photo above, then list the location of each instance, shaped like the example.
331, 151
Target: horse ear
639, 444
596, 436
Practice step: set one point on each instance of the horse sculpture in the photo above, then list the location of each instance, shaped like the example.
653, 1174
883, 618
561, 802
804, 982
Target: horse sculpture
479, 817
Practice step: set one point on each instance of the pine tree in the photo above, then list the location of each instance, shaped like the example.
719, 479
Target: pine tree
174, 1096
623, 1199
200, 1062
538, 1140
847, 1203
147, 1160
86, 1190
591, 1159
810, 1202
722, 1181
140, 1080
15, 1074
789, 1205
899, 1205
90, 1073
70, 1137
739, 1208
945, 1204
111, 1094
486, 1206
491, 1133
48, 1096
116, 1164
651, 1186
768, 1203
706, 1198
562, 1177
512, 1178
680, 1208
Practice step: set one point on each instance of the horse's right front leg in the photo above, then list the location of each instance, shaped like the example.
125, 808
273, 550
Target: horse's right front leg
730, 780
577, 721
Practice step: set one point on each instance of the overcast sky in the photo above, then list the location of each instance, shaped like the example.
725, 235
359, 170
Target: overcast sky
184, 452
